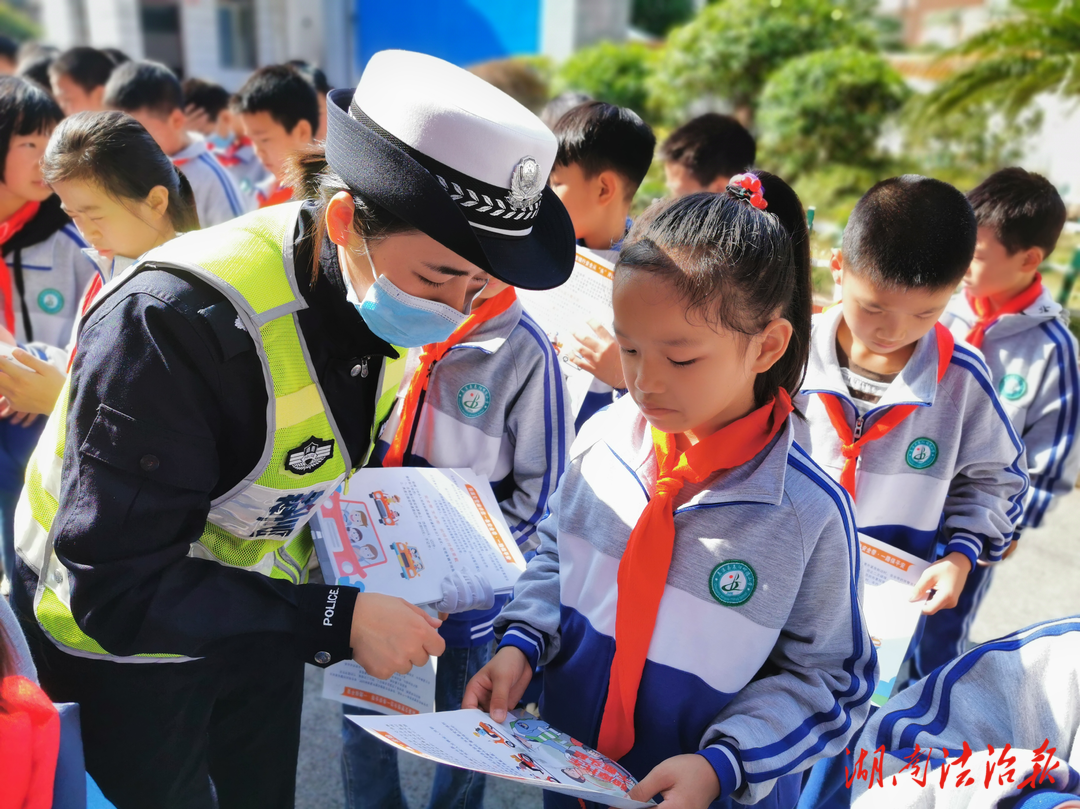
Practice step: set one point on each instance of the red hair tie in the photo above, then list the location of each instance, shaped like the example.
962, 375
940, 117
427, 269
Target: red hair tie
748, 187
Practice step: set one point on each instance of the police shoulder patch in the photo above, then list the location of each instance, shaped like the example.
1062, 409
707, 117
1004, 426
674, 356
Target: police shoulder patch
732, 582
309, 456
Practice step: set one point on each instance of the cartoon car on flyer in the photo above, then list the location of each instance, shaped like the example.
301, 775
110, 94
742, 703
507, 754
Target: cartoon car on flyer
525, 762
487, 730
344, 528
409, 559
387, 515
598, 769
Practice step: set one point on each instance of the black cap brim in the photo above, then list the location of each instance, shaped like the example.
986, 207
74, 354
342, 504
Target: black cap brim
386, 175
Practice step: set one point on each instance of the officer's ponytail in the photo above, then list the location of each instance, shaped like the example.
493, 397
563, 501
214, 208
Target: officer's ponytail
310, 177
113, 151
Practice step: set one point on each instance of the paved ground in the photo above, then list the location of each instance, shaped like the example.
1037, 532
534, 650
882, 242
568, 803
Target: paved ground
1040, 581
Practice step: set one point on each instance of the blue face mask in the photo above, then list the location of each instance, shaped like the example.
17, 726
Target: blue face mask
402, 319
219, 142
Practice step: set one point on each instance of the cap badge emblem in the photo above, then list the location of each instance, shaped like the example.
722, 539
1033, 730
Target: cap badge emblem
526, 184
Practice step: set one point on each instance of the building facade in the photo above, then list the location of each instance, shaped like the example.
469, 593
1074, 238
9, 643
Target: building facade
224, 40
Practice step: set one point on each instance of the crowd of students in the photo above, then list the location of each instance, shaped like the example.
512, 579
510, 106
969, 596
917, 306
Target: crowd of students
691, 606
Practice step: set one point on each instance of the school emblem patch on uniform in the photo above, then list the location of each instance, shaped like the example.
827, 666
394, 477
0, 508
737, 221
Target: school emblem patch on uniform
732, 582
1012, 387
473, 400
51, 301
309, 456
921, 453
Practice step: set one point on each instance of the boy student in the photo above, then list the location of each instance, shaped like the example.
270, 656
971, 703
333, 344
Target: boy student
491, 398
207, 108
604, 153
1004, 311
705, 153
150, 93
78, 77
901, 414
279, 110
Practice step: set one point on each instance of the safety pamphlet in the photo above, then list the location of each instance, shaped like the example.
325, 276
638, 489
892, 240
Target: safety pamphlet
567, 309
401, 695
889, 575
523, 749
400, 531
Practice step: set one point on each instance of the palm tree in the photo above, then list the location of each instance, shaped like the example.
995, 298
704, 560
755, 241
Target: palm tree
1036, 50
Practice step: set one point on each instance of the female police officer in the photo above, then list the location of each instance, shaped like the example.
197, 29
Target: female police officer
228, 384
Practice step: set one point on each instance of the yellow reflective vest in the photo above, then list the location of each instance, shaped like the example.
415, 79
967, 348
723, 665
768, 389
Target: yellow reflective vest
261, 523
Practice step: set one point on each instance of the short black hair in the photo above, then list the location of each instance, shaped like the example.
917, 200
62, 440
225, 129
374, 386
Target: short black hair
603, 137
557, 107
313, 73
9, 48
710, 146
87, 67
283, 92
36, 69
910, 232
25, 109
118, 56
207, 96
144, 85
1022, 208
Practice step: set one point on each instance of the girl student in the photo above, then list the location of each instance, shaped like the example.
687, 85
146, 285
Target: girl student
125, 197
42, 274
695, 597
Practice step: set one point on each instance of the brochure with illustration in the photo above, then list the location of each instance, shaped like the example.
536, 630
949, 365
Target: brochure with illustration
399, 531
567, 309
523, 749
889, 575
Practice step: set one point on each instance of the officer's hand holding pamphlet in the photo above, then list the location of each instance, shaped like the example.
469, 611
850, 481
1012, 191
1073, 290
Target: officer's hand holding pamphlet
434, 537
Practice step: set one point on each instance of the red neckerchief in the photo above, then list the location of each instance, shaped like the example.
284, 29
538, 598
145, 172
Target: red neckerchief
276, 197
229, 158
9, 228
29, 744
850, 447
431, 354
986, 318
643, 569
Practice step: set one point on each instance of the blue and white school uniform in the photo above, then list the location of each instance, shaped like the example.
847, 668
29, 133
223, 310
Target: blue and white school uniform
518, 437
762, 688
1019, 690
952, 472
1032, 357
49, 275
217, 196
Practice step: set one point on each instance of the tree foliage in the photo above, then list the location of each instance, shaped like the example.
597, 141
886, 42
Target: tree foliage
730, 48
16, 25
1037, 50
827, 108
611, 72
660, 16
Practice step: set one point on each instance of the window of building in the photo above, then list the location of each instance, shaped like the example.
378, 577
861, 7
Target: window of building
236, 33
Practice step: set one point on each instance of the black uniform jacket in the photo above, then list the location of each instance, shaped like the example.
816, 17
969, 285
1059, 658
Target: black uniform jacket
168, 411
